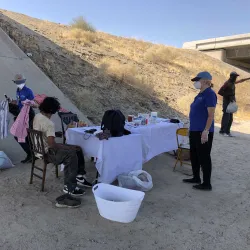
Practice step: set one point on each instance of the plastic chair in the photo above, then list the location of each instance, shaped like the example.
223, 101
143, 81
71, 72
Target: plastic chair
182, 146
37, 147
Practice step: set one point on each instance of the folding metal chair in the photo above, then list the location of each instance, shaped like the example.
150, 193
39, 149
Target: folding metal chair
182, 146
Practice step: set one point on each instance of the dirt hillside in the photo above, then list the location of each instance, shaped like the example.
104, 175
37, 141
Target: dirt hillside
98, 71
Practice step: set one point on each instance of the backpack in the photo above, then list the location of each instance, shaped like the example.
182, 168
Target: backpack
114, 121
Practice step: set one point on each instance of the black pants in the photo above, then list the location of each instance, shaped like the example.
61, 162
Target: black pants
227, 119
201, 156
25, 145
73, 162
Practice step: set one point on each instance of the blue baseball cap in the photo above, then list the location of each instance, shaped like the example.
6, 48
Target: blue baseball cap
202, 75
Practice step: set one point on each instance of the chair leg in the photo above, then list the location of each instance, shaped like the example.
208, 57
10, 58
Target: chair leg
32, 171
181, 161
57, 173
44, 176
177, 159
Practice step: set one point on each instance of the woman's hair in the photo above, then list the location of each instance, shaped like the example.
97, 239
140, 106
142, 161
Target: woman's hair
208, 82
50, 105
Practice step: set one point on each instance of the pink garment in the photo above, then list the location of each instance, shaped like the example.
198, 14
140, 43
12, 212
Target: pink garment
21, 124
39, 99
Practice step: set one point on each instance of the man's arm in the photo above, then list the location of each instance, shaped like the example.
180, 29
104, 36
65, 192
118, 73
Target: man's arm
52, 144
242, 80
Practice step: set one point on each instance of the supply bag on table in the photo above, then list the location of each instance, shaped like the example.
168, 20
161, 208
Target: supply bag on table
136, 180
5, 162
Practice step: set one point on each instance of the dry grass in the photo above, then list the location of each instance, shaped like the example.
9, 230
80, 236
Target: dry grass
160, 54
82, 37
81, 24
123, 72
127, 73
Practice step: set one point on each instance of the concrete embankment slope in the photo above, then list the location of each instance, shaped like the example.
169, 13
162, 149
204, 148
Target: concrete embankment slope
13, 60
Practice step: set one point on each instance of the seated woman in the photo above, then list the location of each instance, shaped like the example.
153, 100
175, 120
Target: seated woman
71, 156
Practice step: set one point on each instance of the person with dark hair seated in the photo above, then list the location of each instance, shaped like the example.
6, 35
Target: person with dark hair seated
71, 156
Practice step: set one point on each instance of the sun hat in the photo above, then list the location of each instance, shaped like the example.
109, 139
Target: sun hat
19, 79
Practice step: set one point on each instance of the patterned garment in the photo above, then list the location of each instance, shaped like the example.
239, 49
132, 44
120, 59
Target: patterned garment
21, 124
4, 109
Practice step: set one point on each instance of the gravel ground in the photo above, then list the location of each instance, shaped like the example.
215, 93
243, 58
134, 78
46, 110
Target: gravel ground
172, 215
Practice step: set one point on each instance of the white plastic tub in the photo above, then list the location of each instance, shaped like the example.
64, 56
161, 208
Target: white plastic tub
116, 203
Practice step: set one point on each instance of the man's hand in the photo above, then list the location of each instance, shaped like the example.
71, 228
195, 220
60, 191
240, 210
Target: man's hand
204, 136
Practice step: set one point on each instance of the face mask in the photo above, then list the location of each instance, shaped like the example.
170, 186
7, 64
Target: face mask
197, 85
20, 86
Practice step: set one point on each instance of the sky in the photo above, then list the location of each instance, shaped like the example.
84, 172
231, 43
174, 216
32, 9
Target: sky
169, 22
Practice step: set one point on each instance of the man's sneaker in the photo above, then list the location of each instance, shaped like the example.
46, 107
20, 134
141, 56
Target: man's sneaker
81, 181
28, 159
221, 132
203, 186
67, 201
76, 192
192, 180
229, 135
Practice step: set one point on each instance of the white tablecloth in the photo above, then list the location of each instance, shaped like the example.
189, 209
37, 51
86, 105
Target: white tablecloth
157, 138
114, 156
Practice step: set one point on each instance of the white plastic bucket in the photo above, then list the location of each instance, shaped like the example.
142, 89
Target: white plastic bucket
116, 203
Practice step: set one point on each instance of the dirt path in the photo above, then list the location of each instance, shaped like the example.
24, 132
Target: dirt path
173, 215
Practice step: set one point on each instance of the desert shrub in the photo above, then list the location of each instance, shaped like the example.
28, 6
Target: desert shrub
82, 37
81, 24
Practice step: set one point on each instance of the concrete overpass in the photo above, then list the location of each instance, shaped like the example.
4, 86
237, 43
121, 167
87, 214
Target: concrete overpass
234, 50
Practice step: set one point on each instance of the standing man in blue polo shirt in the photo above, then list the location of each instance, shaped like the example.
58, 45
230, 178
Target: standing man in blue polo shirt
23, 93
202, 131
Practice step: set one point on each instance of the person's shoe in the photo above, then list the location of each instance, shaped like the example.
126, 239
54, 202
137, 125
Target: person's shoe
229, 135
221, 132
28, 159
192, 181
203, 186
67, 201
76, 192
81, 181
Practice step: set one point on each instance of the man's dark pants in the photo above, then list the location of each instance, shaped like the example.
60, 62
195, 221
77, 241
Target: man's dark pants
201, 156
74, 164
227, 118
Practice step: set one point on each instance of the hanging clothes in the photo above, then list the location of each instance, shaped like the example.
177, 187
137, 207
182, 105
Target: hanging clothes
4, 109
21, 124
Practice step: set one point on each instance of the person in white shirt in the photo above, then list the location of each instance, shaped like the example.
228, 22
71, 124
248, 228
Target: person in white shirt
71, 156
